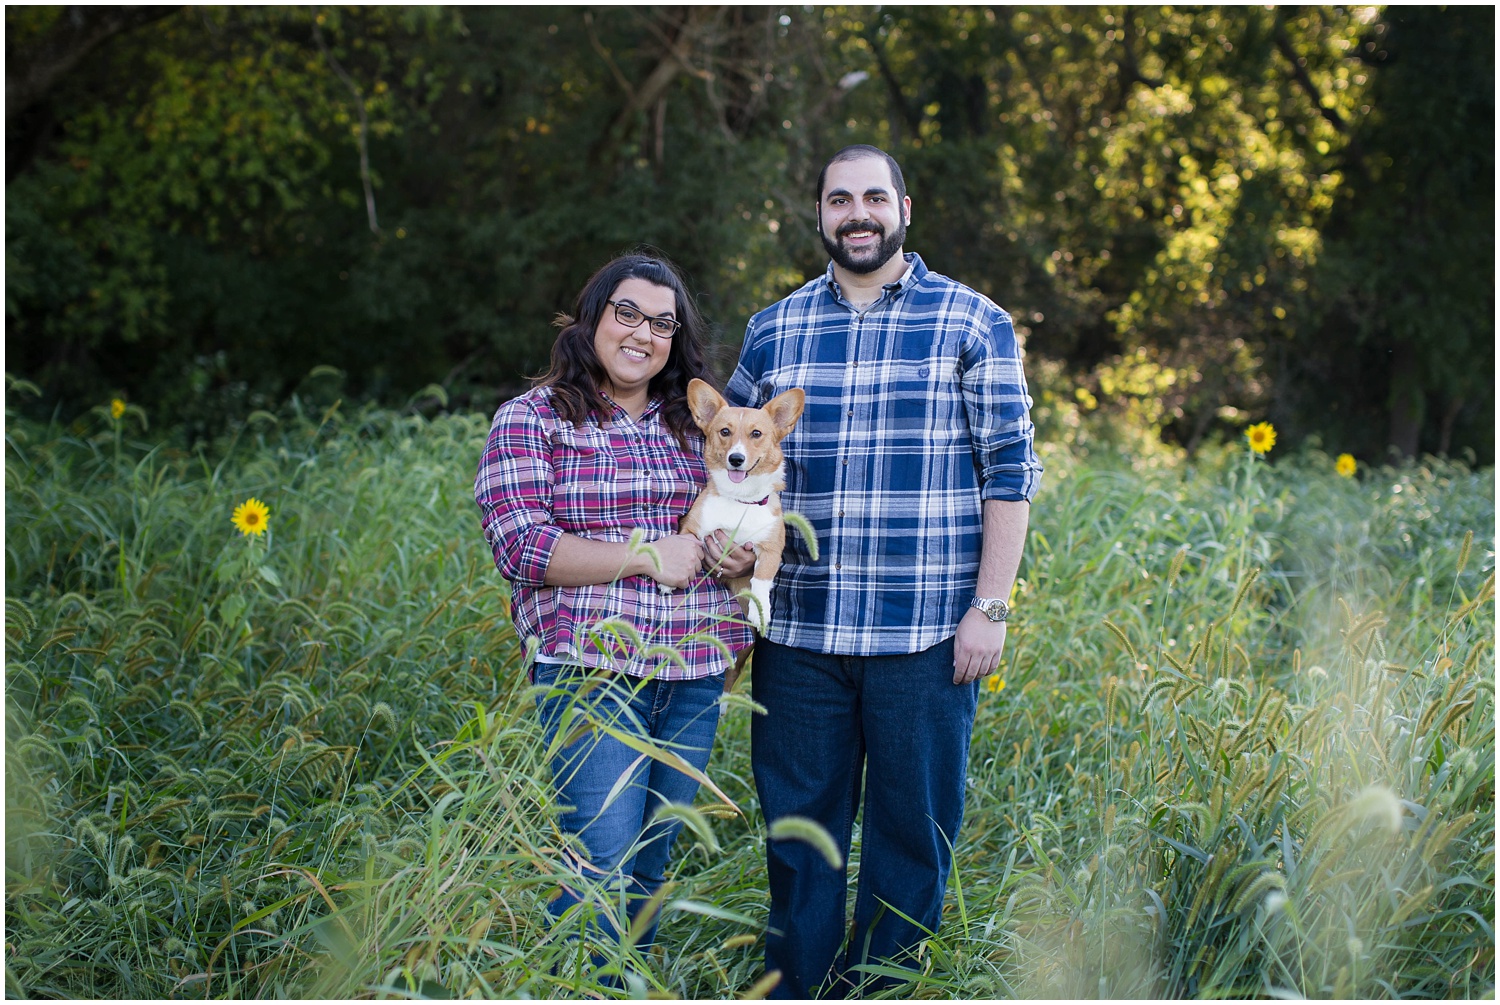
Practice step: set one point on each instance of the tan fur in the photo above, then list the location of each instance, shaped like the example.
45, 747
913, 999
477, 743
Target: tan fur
757, 433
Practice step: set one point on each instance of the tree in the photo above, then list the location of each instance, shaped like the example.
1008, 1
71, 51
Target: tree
1143, 187
1189, 210
43, 45
1403, 342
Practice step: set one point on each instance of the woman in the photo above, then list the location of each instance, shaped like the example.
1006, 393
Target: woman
603, 448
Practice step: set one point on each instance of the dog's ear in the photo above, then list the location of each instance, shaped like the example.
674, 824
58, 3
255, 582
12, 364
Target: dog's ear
704, 402
786, 409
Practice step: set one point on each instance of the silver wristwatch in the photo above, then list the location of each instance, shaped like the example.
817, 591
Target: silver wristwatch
994, 608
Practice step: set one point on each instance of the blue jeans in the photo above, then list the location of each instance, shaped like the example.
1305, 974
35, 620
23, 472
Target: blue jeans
902, 722
627, 853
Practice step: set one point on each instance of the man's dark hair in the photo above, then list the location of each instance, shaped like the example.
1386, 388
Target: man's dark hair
856, 152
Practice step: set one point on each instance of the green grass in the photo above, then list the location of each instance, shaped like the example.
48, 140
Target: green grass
1245, 746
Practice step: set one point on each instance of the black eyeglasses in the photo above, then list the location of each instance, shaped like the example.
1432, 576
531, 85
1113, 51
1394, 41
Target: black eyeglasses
632, 318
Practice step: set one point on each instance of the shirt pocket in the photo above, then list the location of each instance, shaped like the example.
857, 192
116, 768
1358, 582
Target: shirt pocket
585, 471
927, 396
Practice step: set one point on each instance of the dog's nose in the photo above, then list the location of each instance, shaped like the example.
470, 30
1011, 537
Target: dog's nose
736, 460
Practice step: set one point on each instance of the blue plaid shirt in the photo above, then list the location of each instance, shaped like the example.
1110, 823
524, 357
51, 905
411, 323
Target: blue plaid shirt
917, 411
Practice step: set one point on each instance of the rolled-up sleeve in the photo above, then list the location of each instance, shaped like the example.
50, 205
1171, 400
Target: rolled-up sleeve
999, 412
514, 491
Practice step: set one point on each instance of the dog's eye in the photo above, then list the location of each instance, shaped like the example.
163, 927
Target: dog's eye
755, 434
724, 432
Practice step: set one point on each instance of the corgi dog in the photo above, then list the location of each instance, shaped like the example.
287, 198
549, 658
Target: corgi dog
742, 450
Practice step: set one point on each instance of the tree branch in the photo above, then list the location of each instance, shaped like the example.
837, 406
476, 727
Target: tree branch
651, 90
29, 76
742, 62
588, 22
1299, 72
364, 126
911, 116
1129, 72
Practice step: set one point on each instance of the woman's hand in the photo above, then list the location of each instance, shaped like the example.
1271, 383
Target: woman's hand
728, 562
577, 561
681, 560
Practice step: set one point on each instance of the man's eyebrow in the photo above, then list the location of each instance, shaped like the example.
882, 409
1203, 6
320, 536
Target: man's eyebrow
873, 190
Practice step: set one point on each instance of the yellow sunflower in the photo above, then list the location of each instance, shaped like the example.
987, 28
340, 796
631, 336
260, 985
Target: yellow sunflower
1262, 437
250, 516
995, 683
116, 408
1345, 465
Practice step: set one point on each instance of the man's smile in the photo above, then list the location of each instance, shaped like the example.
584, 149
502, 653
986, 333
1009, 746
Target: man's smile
860, 233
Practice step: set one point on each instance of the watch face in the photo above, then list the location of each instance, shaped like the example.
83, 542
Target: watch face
995, 610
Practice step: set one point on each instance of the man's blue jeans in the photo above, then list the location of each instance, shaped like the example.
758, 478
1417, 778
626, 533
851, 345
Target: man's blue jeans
627, 853
902, 722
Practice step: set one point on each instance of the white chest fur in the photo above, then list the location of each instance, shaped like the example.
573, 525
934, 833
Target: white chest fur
743, 521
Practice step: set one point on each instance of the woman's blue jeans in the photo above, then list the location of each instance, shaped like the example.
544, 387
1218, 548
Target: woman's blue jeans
627, 852
902, 724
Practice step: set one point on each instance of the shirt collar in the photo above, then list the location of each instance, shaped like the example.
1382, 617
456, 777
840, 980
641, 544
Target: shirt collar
653, 405
916, 269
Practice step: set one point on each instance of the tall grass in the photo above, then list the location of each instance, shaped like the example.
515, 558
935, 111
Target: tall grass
1245, 746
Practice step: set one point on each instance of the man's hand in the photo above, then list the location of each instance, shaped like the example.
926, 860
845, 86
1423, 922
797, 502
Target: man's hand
977, 647
725, 561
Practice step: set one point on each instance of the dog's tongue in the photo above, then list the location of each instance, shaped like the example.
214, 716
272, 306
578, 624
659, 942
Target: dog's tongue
736, 476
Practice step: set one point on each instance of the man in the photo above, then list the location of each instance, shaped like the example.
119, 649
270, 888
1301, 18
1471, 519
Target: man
913, 461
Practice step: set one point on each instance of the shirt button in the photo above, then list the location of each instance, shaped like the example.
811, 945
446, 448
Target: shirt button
851, 413
837, 565
846, 462
841, 512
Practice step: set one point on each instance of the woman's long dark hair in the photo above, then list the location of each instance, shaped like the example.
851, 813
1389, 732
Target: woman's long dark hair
576, 374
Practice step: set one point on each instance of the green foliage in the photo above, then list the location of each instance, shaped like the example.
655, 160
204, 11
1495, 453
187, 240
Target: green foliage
193, 749
1409, 273
1144, 187
1211, 194
201, 237
1245, 744
1218, 776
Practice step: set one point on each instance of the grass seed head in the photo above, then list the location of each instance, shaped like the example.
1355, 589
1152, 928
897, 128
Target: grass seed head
1379, 805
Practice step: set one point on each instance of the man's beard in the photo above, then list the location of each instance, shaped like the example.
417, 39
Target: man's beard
877, 257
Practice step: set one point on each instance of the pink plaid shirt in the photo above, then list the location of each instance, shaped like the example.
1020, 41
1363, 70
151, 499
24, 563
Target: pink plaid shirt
541, 477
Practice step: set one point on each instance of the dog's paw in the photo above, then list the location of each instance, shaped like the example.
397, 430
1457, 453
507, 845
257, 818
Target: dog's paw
760, 604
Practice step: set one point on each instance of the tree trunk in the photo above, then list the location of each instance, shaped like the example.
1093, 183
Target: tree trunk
1406, 402
677, 48
1445, 433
